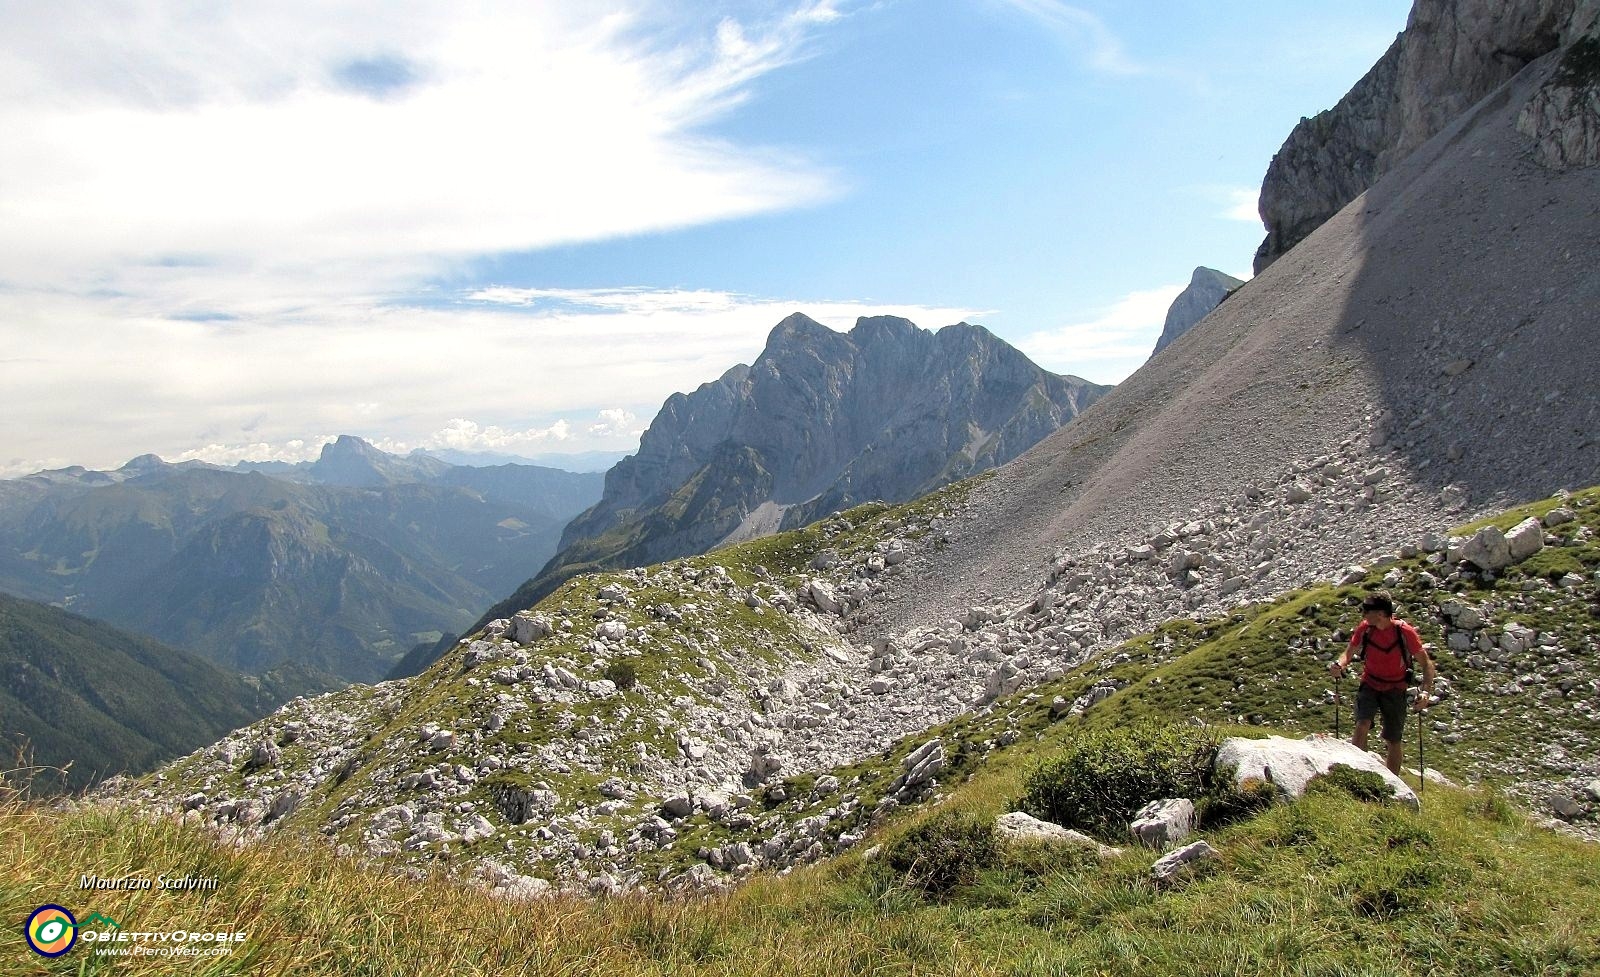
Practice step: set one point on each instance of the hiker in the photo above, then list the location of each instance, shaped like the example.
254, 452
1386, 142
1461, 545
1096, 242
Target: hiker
1387, 649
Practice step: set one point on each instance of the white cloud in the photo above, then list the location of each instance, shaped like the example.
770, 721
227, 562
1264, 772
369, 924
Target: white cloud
643, 301
293, 451
1109, 346
1083, 30
615, 423
479, 376
1243, 205
11, 467
228, 135
214, 219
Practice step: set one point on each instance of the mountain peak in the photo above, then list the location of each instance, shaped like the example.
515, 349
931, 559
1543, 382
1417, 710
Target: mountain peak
797, 326
873, 327
351, 461
348, 445
144, 463
1207, 288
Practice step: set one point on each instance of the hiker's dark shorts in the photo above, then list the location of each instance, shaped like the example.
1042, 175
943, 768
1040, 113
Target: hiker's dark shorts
1391, 705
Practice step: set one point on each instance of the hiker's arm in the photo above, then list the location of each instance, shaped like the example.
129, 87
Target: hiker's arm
1341, 664
1420, 654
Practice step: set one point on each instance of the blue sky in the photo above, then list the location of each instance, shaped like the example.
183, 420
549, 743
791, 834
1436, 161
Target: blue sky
230, 233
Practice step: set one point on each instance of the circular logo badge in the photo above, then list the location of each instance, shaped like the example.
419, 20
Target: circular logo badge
51, 931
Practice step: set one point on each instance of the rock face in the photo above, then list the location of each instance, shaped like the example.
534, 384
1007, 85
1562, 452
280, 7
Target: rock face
1207, 288
821, 421
1452, 54
1563, 118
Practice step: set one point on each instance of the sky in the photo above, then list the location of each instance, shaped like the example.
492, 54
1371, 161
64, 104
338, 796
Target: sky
233, 231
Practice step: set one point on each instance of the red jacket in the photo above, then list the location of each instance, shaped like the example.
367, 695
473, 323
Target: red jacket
1384, 667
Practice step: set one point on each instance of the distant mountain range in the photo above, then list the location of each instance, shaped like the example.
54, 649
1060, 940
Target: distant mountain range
341, 564
577, 461
84, 696
822, 420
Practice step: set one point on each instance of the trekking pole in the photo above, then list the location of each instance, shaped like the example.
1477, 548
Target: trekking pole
1338, 694
1422, 756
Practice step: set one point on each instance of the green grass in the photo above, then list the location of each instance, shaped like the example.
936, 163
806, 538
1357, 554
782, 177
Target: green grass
1325, 885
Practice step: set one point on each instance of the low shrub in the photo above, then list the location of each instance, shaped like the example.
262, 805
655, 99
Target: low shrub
944, 852
1227, 801
1104, 776
622, 673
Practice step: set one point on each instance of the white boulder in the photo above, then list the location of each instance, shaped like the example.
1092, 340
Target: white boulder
1525, 539
1018, 826
1171, 864
1160, 824
1289, 764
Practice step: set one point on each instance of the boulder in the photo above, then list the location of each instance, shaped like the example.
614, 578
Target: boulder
1565, 808
1525, 539
265, 754
1559, 516
924, 763
1488, 549
1171, 864
1352, 574
284, 804
822, 595
527, 628
1289, 764
1161, 824
1018, 826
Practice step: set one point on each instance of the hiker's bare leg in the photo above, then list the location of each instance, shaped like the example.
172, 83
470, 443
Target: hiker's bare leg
1360, 738
1394, 757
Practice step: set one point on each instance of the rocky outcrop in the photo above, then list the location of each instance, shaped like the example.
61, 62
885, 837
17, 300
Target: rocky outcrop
821, 421
1563, 117
1207, 288
1452, 54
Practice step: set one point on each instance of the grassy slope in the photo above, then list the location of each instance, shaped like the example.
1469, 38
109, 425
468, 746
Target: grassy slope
94, 700
1323, 886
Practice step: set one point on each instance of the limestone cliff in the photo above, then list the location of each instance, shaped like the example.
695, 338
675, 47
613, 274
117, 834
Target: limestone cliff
1451, 54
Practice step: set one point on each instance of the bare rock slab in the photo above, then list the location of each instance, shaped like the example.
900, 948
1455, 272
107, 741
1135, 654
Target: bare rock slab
1290, 764
1018, 826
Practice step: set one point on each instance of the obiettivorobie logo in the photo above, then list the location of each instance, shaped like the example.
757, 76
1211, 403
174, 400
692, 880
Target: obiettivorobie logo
52, 930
